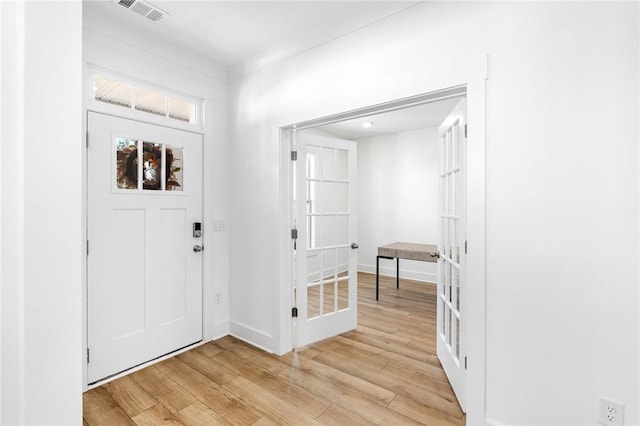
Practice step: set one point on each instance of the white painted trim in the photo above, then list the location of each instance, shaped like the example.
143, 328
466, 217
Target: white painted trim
386, 271
283, 296
440, 76
86, 89
20, 211
470, 72
12, 302
1, 200
475, 302
114, 111
251, 335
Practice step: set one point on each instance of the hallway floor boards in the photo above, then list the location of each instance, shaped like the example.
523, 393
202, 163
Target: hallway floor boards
385, 372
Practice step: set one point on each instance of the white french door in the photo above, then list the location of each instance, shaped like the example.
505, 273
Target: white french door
452, 246
325, 250
144, 265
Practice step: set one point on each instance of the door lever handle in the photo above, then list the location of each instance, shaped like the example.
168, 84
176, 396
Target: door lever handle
435, 254
198, 248
354, 246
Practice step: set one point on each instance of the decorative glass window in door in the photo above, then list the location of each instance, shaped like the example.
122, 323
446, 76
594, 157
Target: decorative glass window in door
147, 166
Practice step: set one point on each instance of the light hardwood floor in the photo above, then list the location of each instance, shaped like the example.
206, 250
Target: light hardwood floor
385, 372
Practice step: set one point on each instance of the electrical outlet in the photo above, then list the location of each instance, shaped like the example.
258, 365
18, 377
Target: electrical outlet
610, 412
219, 301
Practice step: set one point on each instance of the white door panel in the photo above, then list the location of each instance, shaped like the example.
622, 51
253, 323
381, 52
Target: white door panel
144, 284
451, 246
326, 264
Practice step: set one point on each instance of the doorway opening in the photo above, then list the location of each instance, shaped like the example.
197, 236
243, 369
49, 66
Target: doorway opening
420, 112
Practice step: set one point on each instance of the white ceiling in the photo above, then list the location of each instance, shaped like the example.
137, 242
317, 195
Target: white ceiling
232, 32
242, 35
417, 117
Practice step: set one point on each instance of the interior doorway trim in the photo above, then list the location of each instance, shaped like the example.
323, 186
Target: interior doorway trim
474, 89
397, 104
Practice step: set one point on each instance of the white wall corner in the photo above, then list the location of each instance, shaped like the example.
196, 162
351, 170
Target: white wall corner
219, 330
251, 335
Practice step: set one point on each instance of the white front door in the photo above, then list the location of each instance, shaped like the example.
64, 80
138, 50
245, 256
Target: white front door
452, 246
144, 275
325, 253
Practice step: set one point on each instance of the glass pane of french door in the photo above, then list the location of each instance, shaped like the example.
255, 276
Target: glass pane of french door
327, 220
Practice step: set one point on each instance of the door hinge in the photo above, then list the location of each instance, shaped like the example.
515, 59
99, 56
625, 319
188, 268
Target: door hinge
294, 234
465, 247
465, 130
465, 362
294, 155
87, 355
87, 139
294, 312
87, 247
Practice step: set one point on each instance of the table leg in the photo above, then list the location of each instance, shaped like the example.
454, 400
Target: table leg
377, 275
397, 272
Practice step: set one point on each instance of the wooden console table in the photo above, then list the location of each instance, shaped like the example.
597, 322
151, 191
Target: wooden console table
411, 251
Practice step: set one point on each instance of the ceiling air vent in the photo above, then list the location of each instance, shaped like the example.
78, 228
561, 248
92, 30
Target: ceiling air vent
143, 8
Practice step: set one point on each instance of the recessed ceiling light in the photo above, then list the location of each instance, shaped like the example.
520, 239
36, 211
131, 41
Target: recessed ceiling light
367, 124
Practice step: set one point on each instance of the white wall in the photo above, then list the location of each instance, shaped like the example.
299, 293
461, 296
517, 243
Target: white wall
41, 187
120, 49
398, 198
561, 186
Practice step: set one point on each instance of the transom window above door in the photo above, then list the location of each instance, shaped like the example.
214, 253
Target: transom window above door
126, 95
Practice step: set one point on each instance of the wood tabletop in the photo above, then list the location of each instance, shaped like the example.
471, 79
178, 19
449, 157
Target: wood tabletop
411, 251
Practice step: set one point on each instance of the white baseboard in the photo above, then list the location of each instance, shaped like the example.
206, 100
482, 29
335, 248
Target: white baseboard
251, 336
218, 331
407, 274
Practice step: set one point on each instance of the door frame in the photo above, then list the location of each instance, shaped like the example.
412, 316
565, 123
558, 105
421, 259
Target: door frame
92, 106
469, 75
86, 208
188, 84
